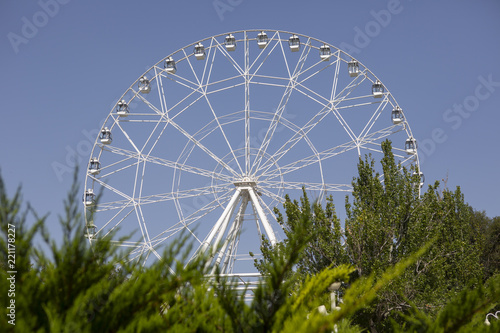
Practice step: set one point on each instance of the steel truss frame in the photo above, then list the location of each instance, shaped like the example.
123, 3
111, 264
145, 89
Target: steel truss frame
254, 174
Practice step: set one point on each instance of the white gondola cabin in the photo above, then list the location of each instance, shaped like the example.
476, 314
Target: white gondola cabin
122, 108
324, 52
199, 51
421, 178
90, 231
397, 115
294, 43
377, 89
170, 65
353, 68
411, 146
262, 39
105, 136
230, 42
94, 166
89, 198
144, 85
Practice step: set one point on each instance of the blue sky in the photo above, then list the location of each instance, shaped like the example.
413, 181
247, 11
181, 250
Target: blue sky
64, 65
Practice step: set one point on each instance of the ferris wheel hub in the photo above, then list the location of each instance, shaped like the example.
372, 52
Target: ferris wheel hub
245, 182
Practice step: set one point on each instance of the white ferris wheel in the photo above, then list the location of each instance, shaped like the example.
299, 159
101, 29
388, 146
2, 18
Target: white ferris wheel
212, 137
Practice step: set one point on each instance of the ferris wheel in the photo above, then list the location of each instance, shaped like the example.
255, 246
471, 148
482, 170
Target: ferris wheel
211, 138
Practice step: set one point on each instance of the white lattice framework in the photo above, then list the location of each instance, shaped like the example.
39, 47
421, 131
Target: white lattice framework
209, 143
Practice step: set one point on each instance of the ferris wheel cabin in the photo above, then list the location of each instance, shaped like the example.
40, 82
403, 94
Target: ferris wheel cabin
294, 43
353, 68
144, 86
325, 52
230, 42
397, 115
421, 178
169, 66
199, 51
90, 231
94, 166
411, 146
262, 39
89, 197
122, 108
105, 136
377, 89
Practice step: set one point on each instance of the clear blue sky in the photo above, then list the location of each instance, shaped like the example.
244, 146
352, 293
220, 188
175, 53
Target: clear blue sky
65, 63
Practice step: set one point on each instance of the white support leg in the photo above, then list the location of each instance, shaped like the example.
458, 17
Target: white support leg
263, 217
234, 233
220, 221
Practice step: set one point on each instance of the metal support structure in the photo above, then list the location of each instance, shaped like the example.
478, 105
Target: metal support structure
236, 124
244, 194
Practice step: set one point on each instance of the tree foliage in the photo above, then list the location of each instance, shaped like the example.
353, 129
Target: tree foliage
387, 221
405, 263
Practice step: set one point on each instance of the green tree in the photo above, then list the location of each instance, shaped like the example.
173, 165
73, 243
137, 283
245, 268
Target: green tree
490, 228
387, 220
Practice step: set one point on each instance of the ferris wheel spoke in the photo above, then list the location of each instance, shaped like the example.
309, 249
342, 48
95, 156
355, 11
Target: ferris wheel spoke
304, 162
179, 80
155, 198
247, 105
192, 218
110, 168
345, 125
142, 223
137, 253
331, 152
374, 118
229, 58
174, 107
229, 85
350, 88
223, 133
210, 59
199, 79
148, 103
130, 244
167, 163
343, 96
281, 108
284, 55
117, 123
117, 224
267, 48
158, 136
376, 137
188, 168
113, 189
297, 136
192, 69
211, 53
335, 77
161, 91
265, 191
317, 71
205, 149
